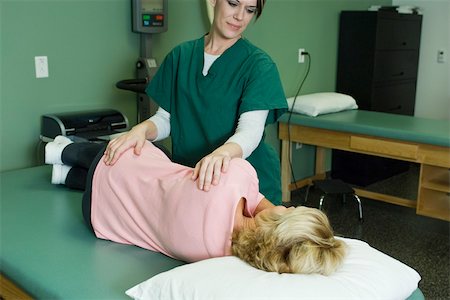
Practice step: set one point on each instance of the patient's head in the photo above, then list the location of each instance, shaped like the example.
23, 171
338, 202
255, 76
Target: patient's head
294, 240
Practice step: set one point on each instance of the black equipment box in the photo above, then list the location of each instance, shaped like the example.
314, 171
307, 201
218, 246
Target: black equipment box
87, 125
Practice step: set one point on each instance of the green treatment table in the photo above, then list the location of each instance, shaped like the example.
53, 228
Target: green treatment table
419, 140
47, 251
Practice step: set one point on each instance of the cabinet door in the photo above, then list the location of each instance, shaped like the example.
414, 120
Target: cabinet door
398, 34
395, 65
397, 98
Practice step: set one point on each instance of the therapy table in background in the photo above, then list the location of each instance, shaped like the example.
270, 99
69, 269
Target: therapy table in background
418, 140
47, 250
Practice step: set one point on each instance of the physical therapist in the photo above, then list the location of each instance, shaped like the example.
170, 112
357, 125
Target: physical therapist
215, 94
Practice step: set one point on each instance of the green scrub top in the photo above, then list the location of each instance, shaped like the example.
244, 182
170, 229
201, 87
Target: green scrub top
204, 110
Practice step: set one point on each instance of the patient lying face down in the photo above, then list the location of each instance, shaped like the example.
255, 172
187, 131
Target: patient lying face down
148, 201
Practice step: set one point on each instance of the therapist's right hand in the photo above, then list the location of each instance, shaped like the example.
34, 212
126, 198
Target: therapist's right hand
135, 138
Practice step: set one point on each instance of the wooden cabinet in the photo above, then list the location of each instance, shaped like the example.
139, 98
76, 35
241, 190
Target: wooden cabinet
378, 56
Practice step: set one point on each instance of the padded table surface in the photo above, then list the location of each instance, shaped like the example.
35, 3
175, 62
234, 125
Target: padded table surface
47, 249
401, 127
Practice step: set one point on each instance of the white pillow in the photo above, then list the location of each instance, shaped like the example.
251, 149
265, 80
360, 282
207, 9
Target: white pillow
321, 103
365, 274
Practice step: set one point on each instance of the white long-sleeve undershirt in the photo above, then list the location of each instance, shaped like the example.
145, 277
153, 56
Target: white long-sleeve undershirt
161, 119
248, 134
249, 131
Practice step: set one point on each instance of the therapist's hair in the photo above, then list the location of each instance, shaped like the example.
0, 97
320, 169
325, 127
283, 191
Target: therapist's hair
259, 7
294, 241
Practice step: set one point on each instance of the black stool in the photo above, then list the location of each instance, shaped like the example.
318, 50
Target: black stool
335, 187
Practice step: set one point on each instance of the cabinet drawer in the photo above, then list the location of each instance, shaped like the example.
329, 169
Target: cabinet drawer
398, 34
394, 65
383, 147
397, 98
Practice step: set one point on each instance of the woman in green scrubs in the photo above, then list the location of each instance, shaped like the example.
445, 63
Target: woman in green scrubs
210, 90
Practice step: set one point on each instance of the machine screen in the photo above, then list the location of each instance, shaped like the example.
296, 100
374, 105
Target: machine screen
149, 16
152, 6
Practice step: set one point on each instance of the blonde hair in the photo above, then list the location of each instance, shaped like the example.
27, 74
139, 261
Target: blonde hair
296, 241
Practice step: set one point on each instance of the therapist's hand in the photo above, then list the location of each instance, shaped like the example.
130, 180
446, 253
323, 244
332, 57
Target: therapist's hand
209, 169
135, 138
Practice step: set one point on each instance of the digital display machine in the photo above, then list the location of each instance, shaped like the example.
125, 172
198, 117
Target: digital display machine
148, 17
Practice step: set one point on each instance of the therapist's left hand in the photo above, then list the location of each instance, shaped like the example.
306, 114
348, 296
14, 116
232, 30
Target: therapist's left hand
208, 170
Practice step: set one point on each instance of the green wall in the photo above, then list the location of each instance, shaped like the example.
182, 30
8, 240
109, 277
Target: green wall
90, 46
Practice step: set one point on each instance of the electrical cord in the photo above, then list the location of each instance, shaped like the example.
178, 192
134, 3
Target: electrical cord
290, 115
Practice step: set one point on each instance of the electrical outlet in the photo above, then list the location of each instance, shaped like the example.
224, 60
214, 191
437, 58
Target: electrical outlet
441, 57
301, 55
41, 66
